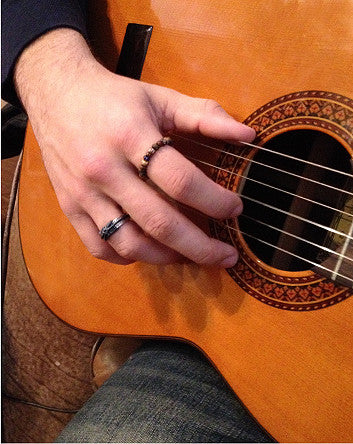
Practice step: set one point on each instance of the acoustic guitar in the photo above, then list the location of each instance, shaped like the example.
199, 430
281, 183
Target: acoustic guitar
279, 324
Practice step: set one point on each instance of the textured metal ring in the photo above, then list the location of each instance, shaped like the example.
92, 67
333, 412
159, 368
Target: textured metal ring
113, 226
147, 157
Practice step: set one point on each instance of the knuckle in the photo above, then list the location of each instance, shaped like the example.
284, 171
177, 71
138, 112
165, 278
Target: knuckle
129, 131
108, 255
81, 195
124, 127
160, 226
69, 207
205, 257
207, 109
210, 105
99, 252
96, 168
127, 249
80, 198
181, 184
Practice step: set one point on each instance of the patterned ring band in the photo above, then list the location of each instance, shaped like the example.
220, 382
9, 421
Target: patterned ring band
113, 226
147, 157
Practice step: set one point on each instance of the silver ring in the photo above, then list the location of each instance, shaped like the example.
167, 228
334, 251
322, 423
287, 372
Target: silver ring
113, 226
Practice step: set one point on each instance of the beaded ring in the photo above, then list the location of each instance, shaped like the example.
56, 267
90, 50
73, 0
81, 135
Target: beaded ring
147, 157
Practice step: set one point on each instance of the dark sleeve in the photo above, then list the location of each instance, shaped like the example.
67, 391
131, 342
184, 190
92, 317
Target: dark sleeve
23, 21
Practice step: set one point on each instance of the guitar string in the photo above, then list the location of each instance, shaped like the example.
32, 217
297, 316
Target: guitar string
263, 148
262, 203
280, 210
296, 216
344, 249
292, 254
321, 247
271, 186
220, 222
238, 156
307, 162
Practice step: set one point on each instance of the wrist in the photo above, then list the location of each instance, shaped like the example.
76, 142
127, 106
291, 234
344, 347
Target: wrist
49, 65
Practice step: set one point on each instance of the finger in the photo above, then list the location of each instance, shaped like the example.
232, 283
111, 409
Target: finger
129, 242
208, 118
183, 181
204, 116
89, 211
166, 224
87, 231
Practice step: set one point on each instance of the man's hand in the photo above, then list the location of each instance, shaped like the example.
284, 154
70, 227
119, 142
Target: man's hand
94, 127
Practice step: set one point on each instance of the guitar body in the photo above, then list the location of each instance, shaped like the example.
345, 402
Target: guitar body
282, 339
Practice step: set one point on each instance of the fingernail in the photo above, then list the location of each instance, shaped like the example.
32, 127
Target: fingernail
230, 261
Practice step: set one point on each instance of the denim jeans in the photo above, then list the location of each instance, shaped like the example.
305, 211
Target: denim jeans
165, 392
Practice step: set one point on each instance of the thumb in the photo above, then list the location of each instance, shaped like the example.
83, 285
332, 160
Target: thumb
208, 118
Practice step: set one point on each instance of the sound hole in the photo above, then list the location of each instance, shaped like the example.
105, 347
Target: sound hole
292, 238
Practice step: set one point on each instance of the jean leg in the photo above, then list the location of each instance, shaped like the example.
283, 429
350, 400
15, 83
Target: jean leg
165, 392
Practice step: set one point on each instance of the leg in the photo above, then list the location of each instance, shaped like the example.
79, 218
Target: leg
166, 392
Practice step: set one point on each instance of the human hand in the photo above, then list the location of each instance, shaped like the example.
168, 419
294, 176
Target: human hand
94, 127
